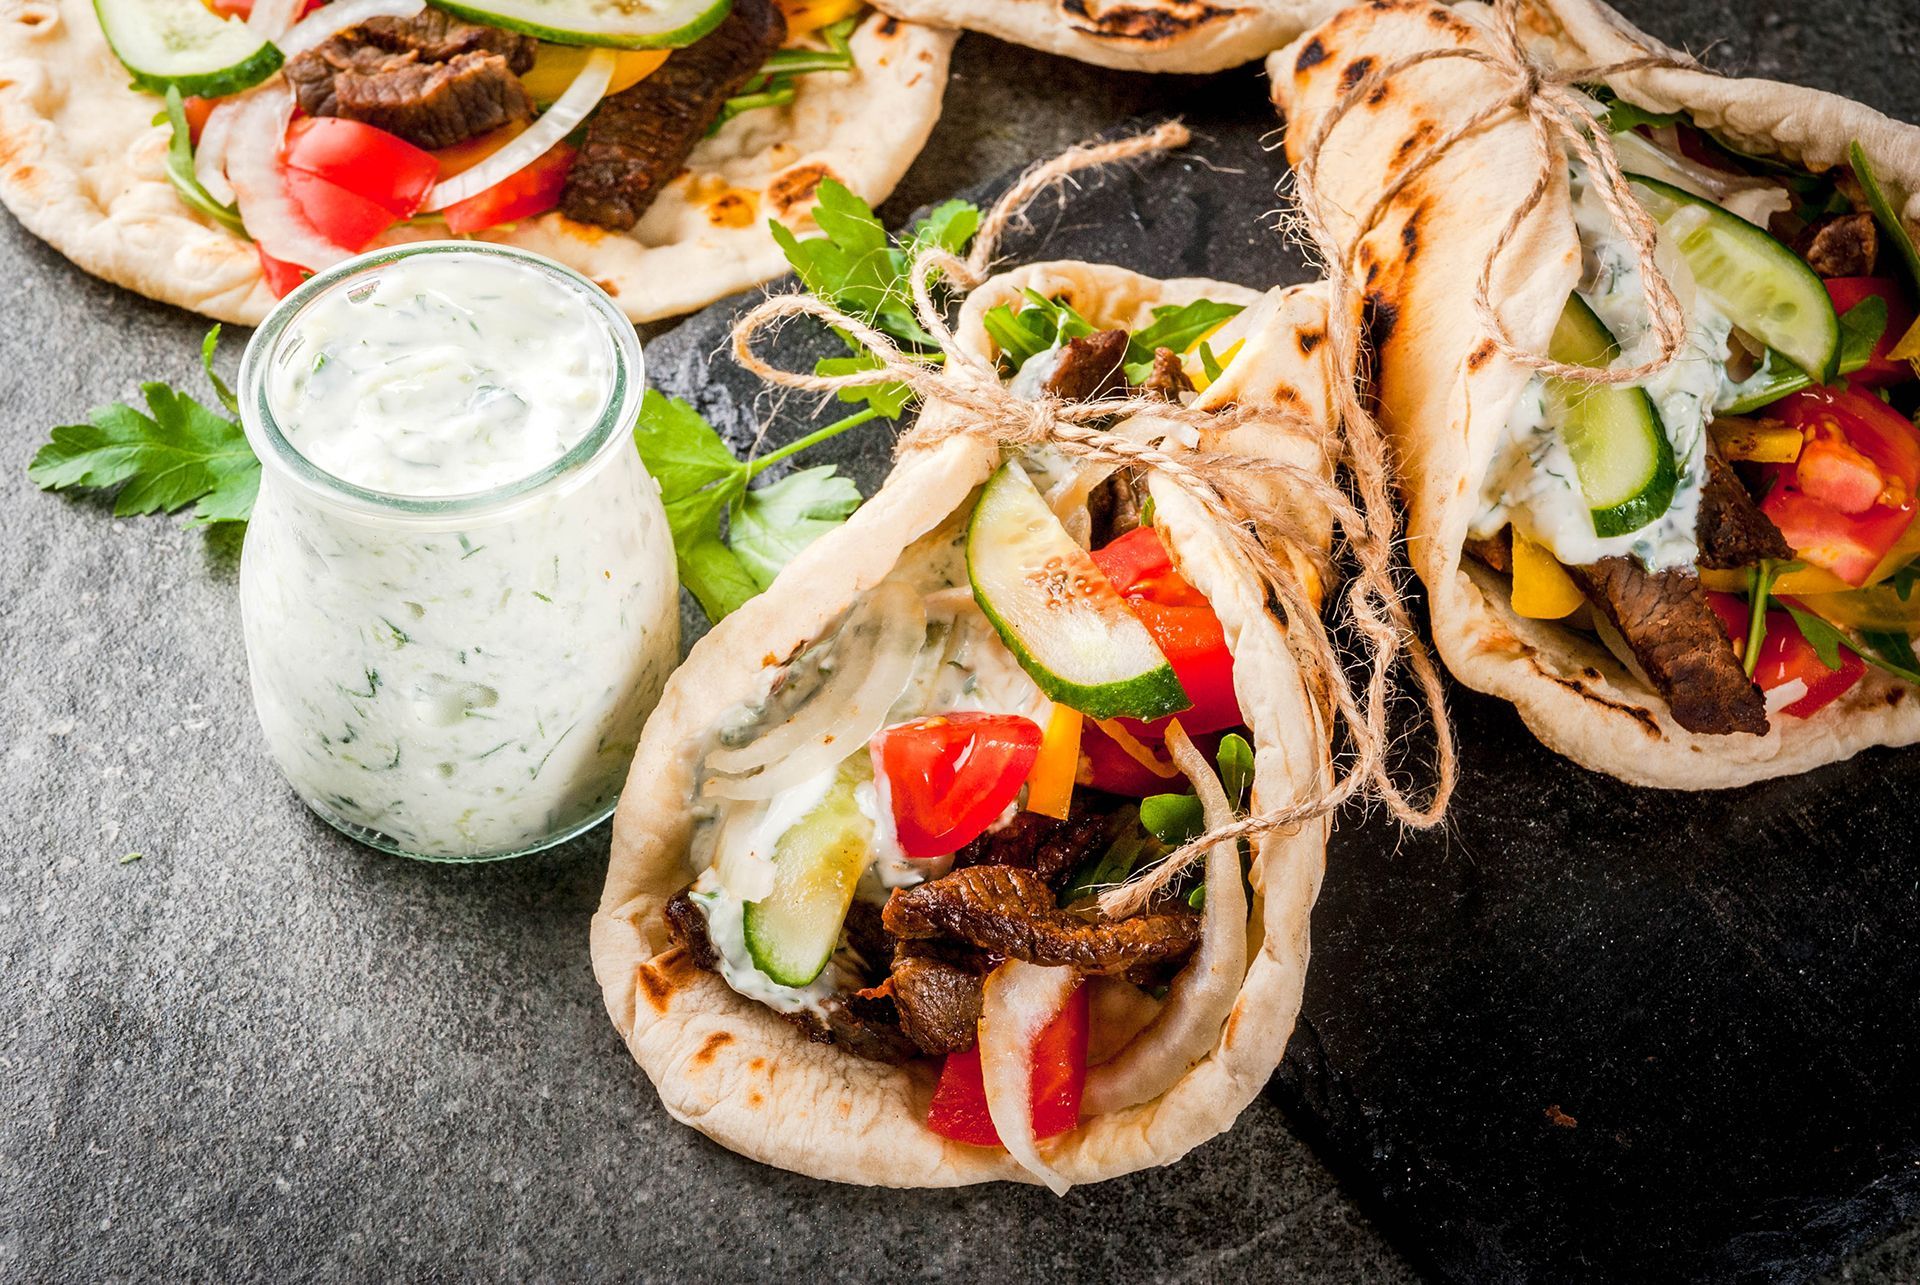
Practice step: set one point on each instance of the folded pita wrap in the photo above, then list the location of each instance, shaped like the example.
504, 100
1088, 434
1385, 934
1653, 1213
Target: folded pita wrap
1131, 35
82, 165
1446, 393
730, 1066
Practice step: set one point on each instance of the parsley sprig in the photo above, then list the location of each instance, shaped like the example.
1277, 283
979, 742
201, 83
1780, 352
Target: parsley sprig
178, 452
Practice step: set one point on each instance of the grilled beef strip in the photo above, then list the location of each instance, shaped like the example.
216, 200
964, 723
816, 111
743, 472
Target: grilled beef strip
1090, 368
1114, 506
1011, 913
1733, 532
1679, 642
640, 138
1051, 849
1841, 245
936, 989
1168, 379
432, 79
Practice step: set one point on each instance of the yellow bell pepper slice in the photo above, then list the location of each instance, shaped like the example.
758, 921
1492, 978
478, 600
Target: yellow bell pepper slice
1197, 369
1764, 441
1876, 610
1809, 582
1542, 589
804, 16
555, 66
1050, 784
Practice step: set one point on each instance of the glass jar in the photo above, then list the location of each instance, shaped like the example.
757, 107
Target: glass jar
458, 676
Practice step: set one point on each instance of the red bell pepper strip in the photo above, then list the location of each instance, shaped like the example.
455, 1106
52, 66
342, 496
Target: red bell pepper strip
533, 189
951, 776
959, 1107
1184, 626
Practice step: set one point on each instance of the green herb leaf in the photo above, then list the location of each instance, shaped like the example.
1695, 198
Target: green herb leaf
1121, 859
1208, 362
890, 400
180, 453
1173, 818
180, 168
1178, 327
1892, 652
771, 524
949, 225
220, 389
1236, 768
1825, 640
1622, 116
1861, 327
1902, 580
680, 448
711, 572
1883, 212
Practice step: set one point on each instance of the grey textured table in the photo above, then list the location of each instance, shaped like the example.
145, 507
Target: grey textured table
261, 1052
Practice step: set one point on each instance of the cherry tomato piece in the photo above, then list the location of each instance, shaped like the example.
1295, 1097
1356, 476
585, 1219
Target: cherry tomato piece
959, 1107
951, 776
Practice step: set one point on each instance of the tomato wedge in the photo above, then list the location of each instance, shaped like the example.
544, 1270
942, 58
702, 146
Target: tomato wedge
1848, 291
372, 164
344, 217
282, 278
1184, 626
951, 776
1786, 657
1850, 497
533, 189
959, 1107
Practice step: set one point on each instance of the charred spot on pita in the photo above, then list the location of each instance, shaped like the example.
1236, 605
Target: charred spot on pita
1356, 71
1178, 19
1379, 316
1311, 55
1478, 357
1311, 339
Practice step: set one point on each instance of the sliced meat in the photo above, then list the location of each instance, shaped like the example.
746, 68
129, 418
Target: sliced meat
1090, 368
431, 79
1168, 378
1050, 848
936, 990
869, 938
1114, 506
687, 925
1497, 552
864, 1025
1011, 913
1733, 532
1679, 642
639, 138
1841, 245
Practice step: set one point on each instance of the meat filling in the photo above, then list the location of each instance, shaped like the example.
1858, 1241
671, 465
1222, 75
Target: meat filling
1733, 532
640, 138
1049, 848
937, 989
1841, 245
1011, 913
432, 79
1168, 378
1679, 642
1090, 368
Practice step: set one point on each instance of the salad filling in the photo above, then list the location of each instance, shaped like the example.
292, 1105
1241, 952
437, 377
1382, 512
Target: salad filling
1737, 528
901, 840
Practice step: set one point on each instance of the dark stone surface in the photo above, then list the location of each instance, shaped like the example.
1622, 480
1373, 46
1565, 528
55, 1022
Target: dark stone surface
261, 1052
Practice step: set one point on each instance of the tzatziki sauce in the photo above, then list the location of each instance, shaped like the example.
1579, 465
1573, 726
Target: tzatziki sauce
458, 585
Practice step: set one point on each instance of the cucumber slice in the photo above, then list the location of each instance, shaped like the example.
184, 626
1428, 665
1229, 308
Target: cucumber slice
182, 44
1619, 446
1065, 623
614, 24
792, 931
1762, 285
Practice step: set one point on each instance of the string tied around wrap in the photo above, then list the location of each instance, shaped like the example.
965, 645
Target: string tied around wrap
1216, 481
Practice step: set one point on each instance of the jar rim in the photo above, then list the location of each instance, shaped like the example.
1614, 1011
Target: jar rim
619, 412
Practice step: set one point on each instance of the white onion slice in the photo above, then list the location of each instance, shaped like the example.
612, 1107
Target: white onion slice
1202, 996
260, 183
330, 20
1016, 1003
270, 19
872, 657
210, 153
572, 107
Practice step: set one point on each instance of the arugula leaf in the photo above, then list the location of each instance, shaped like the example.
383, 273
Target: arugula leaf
1111, 867
1760, 580
220, 389
1236, 768
773, 523
1902, 581
180, 167
1893, 652
1175, 326
1860, 329
178, 453
1825, 640
1883, 212
1043, 324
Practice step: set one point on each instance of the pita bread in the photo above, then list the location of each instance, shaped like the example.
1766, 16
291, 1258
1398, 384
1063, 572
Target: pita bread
82, 166
737, 1072
1130, 35
1447, 394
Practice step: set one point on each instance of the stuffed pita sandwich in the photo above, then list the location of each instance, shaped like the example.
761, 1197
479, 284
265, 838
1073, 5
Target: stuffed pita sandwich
213, 153
849, 925
1699, 578
1130, 35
